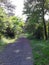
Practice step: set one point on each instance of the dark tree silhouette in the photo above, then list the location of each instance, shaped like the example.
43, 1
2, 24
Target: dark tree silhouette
37, 8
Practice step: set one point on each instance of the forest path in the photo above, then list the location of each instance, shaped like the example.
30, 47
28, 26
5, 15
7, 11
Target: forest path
19, 53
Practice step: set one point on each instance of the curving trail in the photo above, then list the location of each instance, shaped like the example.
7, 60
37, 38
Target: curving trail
19, 53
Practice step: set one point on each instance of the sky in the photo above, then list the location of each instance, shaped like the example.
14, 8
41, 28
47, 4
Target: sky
47, 16
19, 9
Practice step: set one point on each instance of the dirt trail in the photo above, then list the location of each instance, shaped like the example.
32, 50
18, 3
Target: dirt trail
19, 53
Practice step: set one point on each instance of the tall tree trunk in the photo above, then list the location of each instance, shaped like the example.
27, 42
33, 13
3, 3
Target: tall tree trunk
45, 31
0, 37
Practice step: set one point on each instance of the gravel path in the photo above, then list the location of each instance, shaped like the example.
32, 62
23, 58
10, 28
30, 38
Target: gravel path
19, 53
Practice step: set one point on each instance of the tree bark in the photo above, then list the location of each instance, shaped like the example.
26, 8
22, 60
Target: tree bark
45, 31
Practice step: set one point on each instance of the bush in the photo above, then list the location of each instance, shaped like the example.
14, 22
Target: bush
38, 34
35, 31
9, 33
30, 36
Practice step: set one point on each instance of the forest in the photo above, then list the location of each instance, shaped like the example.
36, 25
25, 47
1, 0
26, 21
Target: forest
35, 28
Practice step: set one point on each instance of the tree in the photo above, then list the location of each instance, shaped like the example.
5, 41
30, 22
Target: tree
8, 6
35, 10
10, 26
3, 18
14, 27
17, 22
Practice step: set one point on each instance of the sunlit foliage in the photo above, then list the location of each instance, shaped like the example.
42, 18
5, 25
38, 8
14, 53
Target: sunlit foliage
10, 26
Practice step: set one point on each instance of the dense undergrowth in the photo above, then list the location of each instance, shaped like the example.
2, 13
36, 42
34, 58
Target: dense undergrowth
40, 51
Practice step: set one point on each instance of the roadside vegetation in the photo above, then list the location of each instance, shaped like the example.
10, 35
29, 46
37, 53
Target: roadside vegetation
40, 51
10, 28
37, 29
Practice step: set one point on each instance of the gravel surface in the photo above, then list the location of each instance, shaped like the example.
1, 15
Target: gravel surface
18, 53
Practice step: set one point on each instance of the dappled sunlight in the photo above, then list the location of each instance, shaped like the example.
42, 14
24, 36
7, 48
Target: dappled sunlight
28, 58
17, 51
8, 40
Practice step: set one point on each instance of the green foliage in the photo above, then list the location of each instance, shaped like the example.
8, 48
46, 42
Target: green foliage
31, 6
8, 6
40, 50
35, 11
35, 30
17, 24
38, 34
2, 21
2, 45
10, 26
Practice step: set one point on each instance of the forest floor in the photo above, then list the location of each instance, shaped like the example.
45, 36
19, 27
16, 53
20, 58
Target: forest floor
19, 53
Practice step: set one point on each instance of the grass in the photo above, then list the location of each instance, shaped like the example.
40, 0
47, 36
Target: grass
2, 45
40, 51
8, 40
4, 42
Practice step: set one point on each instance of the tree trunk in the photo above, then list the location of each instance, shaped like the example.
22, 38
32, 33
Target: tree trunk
45, 31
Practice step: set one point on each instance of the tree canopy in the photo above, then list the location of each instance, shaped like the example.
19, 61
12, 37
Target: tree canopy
35, 11
8, 6
10, 26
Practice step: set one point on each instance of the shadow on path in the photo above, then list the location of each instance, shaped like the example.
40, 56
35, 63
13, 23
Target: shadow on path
19, 53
